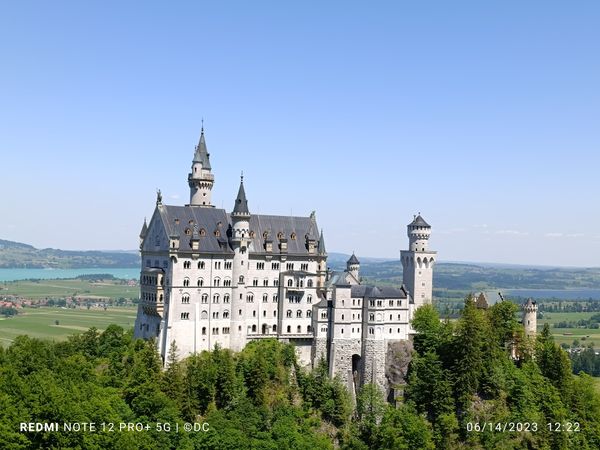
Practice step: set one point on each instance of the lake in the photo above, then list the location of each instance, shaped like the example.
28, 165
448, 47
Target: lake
47, 274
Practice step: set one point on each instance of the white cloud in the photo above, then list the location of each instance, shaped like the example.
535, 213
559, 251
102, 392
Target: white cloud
553, 235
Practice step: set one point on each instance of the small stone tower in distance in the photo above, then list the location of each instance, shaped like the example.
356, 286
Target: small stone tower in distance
530, 309
201, 179
417, 262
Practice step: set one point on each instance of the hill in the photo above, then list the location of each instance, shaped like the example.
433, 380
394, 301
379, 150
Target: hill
19, 255
476, 276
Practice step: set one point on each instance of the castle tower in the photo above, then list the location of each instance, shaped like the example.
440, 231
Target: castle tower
240, 239
418, 261
201, 179
530, 309
353, 267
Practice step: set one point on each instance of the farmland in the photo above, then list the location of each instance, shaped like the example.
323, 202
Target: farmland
585, 336
42, 322
61, 288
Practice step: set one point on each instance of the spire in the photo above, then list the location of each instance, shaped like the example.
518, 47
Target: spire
353, 260
144, 230
321, 245
241, 203
201, 155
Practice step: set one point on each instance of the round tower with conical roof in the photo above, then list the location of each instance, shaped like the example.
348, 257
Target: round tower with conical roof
201, 179
240, 239
353, 266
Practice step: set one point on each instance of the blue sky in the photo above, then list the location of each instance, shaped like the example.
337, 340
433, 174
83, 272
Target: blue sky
484, 117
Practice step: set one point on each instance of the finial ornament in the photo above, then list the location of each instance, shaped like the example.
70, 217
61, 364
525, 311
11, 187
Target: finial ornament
242, 177
202, 130
158, 197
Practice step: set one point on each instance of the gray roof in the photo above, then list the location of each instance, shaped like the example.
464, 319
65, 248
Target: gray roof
370, 291
292, 228
353, 260
419, 221
179, 218
241, 204
201, 155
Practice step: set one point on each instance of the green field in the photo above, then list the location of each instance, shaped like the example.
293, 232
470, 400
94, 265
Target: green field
568, 335
40, 322
41, 289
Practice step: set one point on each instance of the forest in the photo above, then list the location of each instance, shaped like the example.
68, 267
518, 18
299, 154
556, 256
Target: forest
477, 382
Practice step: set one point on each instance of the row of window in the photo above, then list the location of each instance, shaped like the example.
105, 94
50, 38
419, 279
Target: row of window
380, 302
201, 265
215, 314
254, 328
200, 282
151, 297
150, 280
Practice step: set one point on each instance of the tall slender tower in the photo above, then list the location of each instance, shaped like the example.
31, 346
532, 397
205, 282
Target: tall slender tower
417, 262
240, 239
201, 179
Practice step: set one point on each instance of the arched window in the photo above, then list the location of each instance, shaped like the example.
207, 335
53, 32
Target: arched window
217, 281
186, 282
254, 328
309, 299
241, 279
309, 283
225, 314
290, 282
200, 264
299, 328
308, 329
203, 331
289, 329
226, 298
250, 298
200, 282
185, 298
274, 328
216, 298
288, 313
265, 298
298, 314
308, 313
204, 298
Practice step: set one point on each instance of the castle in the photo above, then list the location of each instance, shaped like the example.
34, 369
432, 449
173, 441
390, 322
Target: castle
212, 277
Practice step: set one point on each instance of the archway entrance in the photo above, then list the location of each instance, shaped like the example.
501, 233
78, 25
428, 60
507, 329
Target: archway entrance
356, 371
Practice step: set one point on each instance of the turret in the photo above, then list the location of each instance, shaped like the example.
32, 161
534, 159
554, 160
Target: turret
418, 234
353, 266
530, 309
240, 239
201, 179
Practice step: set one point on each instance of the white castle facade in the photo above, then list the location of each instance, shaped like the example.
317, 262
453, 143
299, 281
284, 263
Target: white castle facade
210, 277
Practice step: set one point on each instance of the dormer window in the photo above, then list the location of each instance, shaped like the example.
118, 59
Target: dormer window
217, 233
252, 234
202, 232
188, 231
293, 236
265, 235
280, 235
176, 221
